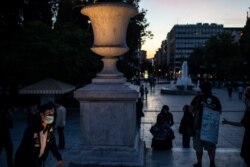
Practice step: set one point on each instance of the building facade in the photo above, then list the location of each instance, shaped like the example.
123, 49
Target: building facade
183, 39
161, 55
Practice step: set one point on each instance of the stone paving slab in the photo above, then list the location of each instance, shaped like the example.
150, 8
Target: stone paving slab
229, 143
155, 100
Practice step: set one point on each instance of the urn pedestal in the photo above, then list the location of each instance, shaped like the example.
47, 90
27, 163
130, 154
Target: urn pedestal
109, 133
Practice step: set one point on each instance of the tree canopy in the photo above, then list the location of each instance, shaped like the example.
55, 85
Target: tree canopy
32, 49
220, 58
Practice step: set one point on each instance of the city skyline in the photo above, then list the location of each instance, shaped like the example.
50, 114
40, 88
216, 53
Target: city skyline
162, 15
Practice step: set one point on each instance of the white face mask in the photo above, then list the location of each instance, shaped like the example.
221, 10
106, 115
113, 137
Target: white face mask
48, 119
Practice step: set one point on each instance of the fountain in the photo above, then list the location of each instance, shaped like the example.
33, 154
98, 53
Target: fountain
183, 84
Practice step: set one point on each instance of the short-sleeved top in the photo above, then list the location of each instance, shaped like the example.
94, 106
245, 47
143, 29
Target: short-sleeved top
200, 101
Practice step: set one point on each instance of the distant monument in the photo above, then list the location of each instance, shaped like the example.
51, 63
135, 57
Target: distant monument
183, 84
109, 133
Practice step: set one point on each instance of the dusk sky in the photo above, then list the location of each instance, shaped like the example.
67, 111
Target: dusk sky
162, 15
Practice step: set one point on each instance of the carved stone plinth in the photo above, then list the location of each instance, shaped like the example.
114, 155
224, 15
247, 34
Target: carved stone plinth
109, 133
108, 126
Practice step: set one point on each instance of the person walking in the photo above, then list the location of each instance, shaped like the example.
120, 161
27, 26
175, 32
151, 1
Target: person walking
38, 140
6, 123
229, 89
198, 104
186, 126
60, 123
245, 122
146, 92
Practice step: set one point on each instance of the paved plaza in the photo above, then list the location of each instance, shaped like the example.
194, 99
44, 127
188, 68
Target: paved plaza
228, 148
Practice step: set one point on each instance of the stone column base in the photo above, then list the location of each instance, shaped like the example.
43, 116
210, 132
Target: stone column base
109, 133
110, 156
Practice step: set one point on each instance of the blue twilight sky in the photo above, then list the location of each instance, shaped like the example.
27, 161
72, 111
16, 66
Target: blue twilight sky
162, 15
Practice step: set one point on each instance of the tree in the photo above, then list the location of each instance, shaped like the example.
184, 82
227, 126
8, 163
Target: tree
36, 50
195, 61
136, 35
222, 52
245, 48
39, 52
220, 57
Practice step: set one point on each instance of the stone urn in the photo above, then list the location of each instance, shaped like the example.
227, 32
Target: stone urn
109, 132
109, 22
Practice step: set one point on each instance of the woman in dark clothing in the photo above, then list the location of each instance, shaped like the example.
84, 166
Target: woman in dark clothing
186, 126
162, 134
38, 140
168, 116
245, 122
168, 119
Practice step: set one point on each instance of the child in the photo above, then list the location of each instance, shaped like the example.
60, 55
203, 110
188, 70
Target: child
186, 126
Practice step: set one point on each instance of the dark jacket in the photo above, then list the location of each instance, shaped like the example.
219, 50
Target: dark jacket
168, 118
186, 124
28, 151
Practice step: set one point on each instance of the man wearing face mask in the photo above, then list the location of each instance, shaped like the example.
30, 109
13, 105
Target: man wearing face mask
38, 140
245, 122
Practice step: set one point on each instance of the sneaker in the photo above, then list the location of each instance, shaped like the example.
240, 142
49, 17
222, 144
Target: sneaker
197, 165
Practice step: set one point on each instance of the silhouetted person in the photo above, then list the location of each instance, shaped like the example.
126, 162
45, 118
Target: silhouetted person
240, 92
168, 119
139, 112
38, 140
142, 91
162, 134
186, 126
32, 115
245, 122
206, 99
6, 123
229, 89
60, 123
146, 92
168, 116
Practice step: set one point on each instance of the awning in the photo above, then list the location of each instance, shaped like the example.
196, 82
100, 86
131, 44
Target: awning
47, 86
